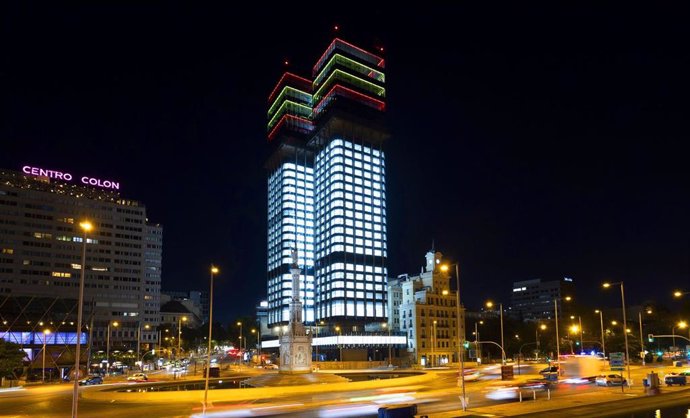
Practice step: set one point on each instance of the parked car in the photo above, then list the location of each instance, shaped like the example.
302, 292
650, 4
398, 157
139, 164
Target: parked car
610, 380
271, 366
138, 377
91, 380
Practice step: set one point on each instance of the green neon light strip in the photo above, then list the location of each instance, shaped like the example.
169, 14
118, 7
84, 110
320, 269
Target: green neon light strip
284, 105
299, 93
377, 89
364, 69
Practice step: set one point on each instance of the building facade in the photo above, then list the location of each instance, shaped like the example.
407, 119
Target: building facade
533, 300
326, 190
428, 314
41, 247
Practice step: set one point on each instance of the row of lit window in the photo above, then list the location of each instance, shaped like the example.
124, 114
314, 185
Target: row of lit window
339, 248
350, 308
347, 144
333, 151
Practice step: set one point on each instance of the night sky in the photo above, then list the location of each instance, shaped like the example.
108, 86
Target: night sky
526, 142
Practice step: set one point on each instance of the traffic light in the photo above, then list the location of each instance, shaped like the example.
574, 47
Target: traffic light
466, 344
650, 337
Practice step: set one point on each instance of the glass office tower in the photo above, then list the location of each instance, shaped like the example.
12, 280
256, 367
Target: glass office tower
338, 222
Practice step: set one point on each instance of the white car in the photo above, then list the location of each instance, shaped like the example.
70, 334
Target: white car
271, 366
138, 377
610, 380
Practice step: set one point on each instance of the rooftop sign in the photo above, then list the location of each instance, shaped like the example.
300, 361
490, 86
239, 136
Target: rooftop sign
60, 175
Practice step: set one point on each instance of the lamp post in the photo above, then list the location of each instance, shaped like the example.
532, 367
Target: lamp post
86, 227
107, 347
639, 317
680, 293
316, 347
625, 324
46, 332
461, 338
536, 334
147, 326
390, 358
179, 335
681, 325
214, 270
340, 347
239, 324
601, 322
490, 305
433, 343
477, 347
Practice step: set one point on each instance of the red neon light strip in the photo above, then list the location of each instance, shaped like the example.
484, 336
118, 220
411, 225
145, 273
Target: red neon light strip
323, 56
381, 105
287, 74
284, 120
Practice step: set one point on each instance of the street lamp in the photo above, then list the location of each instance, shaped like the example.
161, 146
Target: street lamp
477, 347
390, 350
536, 335
679, 293
490, 305
46, 332
107, 347
601, 322
179, 334
214, 270
433, 344
86, 227
625, 323
461, 347
680, 325
316, 347
146, 326
340, 347
639, 317
239, 324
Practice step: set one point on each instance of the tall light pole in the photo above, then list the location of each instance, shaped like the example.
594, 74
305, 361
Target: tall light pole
390, 350
316, 347
639, 317
477, 347
107, 347
340, 347
433, 344
536, 333
214, 270
625, 324
601, 322
490, 305
46, 332
461, 338
256, 340
86, 227
179, 334
681, 325
239, 324
147, 326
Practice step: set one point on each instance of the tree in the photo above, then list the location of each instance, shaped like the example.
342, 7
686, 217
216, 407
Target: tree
11, 357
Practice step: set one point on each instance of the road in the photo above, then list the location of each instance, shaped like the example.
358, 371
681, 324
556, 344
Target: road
440, 396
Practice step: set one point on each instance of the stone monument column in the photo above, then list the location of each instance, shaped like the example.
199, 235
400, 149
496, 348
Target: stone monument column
295, 344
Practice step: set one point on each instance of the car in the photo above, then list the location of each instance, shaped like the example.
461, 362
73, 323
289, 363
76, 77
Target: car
138, 377
610, 380
512, 390
550, 369
91, 380
271, 366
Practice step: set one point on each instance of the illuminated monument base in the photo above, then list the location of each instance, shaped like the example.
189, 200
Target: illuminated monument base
295, 348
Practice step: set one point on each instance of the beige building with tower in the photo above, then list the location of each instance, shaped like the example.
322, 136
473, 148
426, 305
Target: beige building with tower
427, 312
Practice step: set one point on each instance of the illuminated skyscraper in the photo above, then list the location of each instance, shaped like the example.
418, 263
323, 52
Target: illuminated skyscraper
326, 189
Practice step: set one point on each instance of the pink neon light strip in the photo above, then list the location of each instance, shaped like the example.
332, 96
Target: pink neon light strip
381, 62
381, 105
280, 82
283, 120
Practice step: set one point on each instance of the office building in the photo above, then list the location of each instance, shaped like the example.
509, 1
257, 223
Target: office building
41, 250
533, 300
326, 190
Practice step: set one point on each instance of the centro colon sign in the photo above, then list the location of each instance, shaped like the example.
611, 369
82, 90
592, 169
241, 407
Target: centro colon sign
59, 175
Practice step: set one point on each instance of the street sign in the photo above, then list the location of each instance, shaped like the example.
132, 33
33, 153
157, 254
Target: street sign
506, 372
616, 361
